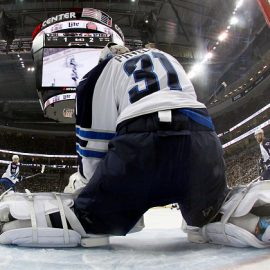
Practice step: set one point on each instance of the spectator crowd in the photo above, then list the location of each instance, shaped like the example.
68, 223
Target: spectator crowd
38, 143
241, 167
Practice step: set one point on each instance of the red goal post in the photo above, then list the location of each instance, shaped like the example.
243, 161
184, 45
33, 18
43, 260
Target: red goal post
265, 7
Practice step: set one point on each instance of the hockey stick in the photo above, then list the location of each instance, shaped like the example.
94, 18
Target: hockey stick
41, 172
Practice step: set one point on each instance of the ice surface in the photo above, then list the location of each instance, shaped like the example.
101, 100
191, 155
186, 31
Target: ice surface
56, 73
161, 245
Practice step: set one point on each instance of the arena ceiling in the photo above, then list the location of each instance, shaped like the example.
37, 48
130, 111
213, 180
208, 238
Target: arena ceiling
187, 29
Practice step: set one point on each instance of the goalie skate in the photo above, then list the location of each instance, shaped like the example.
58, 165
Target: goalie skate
250, 204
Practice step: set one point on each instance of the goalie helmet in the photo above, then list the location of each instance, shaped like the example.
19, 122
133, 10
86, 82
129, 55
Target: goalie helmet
112, 49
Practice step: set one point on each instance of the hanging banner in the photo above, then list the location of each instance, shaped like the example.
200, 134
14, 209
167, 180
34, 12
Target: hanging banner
265, 7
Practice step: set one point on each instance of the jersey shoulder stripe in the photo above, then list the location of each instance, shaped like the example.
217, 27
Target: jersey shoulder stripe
89, 134
89, 153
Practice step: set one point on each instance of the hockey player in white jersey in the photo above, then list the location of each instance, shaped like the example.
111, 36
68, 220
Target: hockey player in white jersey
264, 144
143, 140
11, 175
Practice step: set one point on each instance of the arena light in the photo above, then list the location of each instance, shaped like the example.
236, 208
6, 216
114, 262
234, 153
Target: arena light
208, 56
191, 74
222, 36
234, 20
239, 4
197, 67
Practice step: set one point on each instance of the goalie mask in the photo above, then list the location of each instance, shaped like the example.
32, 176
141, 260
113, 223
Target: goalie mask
112, 49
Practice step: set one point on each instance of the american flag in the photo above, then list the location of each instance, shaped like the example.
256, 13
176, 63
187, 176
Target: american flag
98, 15
106, 19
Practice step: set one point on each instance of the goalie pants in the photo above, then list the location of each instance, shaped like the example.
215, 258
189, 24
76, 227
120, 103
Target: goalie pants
151, 163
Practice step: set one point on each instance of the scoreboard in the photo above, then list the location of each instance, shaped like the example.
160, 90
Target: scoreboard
65, 47
76, 39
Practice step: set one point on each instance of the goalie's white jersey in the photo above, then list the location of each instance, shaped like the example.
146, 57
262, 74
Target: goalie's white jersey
139, 83
127, 86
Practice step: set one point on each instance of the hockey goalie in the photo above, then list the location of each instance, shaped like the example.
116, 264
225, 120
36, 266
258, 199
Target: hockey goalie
143, 140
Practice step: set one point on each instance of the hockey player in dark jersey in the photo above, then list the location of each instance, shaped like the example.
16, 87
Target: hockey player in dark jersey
143, 140
265, 152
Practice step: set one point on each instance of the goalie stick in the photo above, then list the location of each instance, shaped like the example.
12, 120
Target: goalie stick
41, 172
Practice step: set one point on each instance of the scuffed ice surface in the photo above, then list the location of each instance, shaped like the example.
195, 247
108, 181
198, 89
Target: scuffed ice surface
162, 245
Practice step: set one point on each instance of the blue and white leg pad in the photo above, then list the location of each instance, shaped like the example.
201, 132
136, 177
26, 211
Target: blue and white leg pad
24, 219
245, 203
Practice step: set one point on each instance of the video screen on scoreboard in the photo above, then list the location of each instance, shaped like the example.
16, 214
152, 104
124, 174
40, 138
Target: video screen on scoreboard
64, 67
